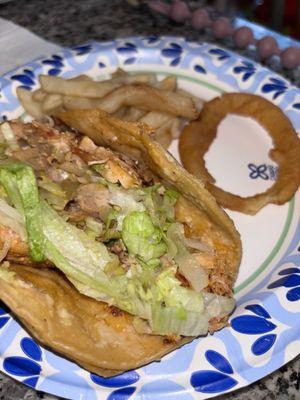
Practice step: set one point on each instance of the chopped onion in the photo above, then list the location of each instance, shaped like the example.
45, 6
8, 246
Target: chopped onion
217, 306
198, 245
9, 136
192, 271
11, 218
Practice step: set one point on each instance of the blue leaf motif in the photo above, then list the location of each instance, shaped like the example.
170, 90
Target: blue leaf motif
122, 394
152, 39
101, 64
297, 106
31, 349
130, 60
21, 366
54, 63
287, 281
200, 69
293, 294
246, 69
56, 57
288, 271
218, 361
175, 62
252, 325
278, 82
127, 48
211, 381
220, 53
170, 53
28, 72
125, 379
173, 51
263, 344
81, 50
3, 321
246, 76
25, 79
32, 382
258, 310
54, 71
277, 86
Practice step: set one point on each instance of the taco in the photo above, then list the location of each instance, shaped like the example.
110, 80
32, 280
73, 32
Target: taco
113, 255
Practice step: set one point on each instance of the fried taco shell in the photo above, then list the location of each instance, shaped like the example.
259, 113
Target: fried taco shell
100, 338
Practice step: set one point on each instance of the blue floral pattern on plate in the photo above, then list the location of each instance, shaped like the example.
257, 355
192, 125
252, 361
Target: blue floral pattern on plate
246, 70
275, 86
25, 367
267, 321
207, 381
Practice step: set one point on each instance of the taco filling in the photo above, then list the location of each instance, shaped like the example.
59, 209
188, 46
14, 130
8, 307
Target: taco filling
117, 230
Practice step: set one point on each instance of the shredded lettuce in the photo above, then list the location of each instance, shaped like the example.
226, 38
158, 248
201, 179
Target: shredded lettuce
146, 291
94, 228
160, 206
127, 200
141, 237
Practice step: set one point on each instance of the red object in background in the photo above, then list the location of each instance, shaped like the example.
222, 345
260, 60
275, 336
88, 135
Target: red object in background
290, 24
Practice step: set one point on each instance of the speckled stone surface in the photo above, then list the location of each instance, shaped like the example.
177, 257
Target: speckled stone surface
69, 22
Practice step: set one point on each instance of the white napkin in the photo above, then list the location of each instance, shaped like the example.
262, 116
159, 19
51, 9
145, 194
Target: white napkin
18, 45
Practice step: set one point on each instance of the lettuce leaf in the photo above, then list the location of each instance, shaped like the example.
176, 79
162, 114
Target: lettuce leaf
20, 184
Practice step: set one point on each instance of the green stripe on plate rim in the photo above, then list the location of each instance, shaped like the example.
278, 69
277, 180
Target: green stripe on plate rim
274, 252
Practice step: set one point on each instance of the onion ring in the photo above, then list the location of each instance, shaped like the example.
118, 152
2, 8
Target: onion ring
198, 136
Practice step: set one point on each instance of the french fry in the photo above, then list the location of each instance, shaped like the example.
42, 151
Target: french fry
74, 102
163, 134
197, 101
176, 127
87, 88
168, 83
149, 79
32, 107
51, 102
122, 76
121, 112
133, 114
38, 95
149, 98
155, 119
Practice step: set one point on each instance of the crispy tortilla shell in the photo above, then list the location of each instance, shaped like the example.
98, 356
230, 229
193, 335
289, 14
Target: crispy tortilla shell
100, 338
198, 136
196, 208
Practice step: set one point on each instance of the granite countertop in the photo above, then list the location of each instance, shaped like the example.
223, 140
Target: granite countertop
68, 22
